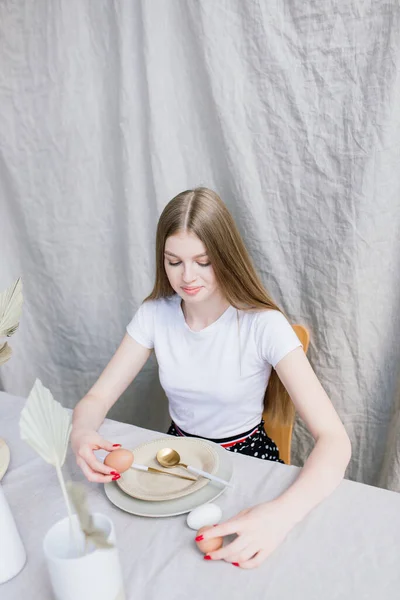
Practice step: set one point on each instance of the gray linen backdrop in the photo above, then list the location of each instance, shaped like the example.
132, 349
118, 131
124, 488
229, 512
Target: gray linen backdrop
290, 110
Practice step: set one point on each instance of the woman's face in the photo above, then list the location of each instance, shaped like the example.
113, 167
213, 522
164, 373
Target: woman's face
188, 268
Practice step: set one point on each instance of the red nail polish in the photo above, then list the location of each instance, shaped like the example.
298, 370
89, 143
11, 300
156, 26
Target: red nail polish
115, 445
215, 525
116, 477
199, 538
236, 564
207, 557
114, 473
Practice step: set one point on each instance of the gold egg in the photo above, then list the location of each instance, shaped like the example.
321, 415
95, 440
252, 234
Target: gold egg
207, 546
120, 460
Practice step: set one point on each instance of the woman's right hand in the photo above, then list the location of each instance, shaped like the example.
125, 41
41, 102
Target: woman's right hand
84, 442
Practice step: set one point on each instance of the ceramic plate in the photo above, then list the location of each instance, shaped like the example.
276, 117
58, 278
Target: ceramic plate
158, 487
4, 458
179, 506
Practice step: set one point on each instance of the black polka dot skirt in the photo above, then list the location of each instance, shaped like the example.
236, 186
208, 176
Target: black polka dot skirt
254, 442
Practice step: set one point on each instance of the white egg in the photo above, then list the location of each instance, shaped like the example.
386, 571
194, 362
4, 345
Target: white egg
206, 514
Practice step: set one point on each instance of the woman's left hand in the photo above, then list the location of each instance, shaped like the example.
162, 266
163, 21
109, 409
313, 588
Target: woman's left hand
260, 530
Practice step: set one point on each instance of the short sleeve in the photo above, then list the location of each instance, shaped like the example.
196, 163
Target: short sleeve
141, 328
275, 337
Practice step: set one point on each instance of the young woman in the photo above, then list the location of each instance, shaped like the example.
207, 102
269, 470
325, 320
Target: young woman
219, 341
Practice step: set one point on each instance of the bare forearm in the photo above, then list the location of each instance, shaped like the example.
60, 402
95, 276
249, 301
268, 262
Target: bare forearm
320, 476
89, 413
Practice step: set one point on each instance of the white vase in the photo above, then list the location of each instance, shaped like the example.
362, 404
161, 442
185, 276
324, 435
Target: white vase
95, 575
12, 551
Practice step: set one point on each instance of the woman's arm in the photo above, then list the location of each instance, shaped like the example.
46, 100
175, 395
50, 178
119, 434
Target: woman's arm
91, 411
262, 528
122, 369
326, 465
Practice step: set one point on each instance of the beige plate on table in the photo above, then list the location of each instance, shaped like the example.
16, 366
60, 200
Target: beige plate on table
179, 506
155, 487
4, 458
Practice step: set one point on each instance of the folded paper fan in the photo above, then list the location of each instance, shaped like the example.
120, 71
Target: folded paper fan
10, 314
10, 308
5, 353
46, 426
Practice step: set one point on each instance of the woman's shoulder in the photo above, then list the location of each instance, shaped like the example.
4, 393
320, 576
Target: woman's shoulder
153, 312
265, 317
274, 336
161, 305
270, 323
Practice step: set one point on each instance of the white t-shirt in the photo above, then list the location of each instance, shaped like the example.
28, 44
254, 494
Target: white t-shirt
215, 379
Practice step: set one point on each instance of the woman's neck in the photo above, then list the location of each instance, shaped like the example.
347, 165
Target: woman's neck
199, 316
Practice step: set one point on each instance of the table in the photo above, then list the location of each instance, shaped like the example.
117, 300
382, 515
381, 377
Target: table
347, 548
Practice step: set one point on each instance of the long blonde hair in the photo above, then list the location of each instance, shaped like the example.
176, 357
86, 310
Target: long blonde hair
202, 212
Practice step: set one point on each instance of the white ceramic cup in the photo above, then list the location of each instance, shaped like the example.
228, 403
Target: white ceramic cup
94, 575
12, 551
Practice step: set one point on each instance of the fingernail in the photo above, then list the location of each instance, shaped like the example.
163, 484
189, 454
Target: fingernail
214, 525
199, 538
114, 473
207, 557
115, 445
116, 477
236, 564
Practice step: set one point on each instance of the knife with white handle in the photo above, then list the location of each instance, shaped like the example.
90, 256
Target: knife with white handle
208, 475
153, 470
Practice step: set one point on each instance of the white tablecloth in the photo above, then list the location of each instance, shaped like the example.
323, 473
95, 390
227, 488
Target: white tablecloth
347, 548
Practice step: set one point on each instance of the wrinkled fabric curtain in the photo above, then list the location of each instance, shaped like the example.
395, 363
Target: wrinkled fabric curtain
290, 110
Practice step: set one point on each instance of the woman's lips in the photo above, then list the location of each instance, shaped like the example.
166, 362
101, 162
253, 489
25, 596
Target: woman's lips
191, 290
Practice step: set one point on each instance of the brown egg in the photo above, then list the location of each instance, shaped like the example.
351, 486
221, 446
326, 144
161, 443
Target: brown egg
207, 546
120, 460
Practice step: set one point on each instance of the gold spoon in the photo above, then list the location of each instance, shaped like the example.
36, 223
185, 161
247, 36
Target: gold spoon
167, 457
4, 458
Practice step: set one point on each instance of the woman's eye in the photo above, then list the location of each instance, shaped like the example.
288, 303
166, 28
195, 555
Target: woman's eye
179, 262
